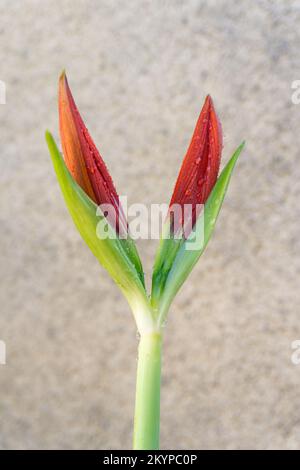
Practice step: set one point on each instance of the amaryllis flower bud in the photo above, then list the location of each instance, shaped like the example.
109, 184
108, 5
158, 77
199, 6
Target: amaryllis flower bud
83, 159
200, 167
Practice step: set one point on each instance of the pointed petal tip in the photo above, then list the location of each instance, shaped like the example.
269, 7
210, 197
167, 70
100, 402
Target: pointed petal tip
209, 107
63, 75
209, 102
63, 83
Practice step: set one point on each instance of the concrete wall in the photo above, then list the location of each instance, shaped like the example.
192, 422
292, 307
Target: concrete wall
139, 71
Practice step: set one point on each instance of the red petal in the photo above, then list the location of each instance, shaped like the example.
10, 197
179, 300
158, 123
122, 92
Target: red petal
200, 167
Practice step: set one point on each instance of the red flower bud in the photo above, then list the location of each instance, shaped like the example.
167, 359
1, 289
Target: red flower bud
200, 167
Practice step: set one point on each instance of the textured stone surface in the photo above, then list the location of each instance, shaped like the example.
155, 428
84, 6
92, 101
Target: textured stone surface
140, 72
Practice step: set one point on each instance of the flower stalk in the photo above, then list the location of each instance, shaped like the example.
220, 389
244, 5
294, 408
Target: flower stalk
147, 400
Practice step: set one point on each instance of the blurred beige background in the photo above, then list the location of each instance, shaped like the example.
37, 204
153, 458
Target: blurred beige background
139, 72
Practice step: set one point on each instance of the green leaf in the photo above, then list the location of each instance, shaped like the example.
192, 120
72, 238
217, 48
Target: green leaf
175, 259
118, 256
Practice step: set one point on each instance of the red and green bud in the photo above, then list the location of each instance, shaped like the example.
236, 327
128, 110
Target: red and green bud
197, 187
83, 159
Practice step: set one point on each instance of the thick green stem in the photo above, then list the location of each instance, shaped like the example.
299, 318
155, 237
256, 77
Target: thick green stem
147, 404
